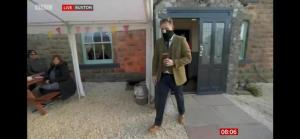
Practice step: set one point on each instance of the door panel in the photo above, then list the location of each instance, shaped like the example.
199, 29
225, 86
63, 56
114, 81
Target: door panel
216, 79
203, 85
212, 55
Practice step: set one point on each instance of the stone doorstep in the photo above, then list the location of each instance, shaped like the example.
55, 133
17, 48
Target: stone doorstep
242, 92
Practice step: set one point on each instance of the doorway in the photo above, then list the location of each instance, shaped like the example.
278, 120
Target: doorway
188, 28
209, 45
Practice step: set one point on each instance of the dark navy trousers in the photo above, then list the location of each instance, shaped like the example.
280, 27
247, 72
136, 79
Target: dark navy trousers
162, 88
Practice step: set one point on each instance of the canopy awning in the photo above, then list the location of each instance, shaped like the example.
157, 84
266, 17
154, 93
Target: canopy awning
104, 11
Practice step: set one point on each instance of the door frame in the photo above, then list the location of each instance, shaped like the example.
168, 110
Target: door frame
208, 13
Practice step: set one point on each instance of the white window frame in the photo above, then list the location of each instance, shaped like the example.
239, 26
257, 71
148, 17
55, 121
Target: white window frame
96, 61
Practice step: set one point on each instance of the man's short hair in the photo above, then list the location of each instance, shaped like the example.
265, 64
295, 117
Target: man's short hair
167, 20
30, 51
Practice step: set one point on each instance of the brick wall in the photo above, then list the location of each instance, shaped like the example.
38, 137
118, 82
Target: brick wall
131, 51
260, 43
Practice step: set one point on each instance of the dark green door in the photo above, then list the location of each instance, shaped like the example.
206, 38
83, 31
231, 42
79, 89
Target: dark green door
213, 55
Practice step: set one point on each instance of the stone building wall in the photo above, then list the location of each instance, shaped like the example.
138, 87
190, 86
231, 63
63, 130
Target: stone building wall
260, 41
46, 48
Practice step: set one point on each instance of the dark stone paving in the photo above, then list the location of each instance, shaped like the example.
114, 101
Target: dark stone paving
206, 114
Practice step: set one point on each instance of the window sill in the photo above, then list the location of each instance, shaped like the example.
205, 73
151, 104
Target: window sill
96, 66
244, 62
252, 1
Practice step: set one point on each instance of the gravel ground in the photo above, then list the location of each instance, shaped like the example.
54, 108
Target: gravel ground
260, 108
107, 112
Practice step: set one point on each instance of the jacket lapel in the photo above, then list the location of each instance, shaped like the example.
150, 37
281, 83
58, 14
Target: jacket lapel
161, 46
173, 49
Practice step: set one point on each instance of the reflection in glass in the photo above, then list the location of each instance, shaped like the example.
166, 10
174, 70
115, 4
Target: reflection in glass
219, 37
97, 37
88, 37
98, 51
90, 51
106, 36
206, 40
107, 51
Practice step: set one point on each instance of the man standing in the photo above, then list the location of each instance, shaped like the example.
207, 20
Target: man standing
171, 54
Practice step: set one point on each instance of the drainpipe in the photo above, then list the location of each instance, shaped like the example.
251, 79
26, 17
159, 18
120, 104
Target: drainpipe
154, 19
151, 93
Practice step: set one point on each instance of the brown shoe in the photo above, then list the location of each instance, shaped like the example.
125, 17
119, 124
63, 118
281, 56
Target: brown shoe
154, 128
180, 119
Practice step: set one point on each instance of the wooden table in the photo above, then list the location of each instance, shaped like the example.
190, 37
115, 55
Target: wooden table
37, 101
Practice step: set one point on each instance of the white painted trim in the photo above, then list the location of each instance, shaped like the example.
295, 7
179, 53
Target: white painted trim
93, 28
148, 62
72, 44
87, 22
146, 8
149, 55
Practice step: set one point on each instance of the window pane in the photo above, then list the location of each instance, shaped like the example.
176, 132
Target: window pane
219, 37
106, 36
206, 39
88, 37
244, 31
107, 51
90, 51
99, 51
97, 37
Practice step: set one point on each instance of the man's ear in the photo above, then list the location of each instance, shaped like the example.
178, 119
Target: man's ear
172, 27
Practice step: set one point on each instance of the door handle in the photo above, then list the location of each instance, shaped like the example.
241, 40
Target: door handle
201, 50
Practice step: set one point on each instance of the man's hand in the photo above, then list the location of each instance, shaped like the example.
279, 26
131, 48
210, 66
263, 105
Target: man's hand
47, 81
154, 78
168, 62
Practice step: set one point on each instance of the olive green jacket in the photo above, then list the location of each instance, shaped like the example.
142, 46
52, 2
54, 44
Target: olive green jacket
181, 55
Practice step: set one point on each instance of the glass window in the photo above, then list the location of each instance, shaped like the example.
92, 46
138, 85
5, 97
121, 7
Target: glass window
106, 36
99, 51
244, 39
219, 37
97, 37
97, 48
88, 38
206, 39
107, 51
90, 51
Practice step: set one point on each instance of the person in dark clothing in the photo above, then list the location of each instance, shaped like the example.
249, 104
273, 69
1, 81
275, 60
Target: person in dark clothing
91, 54
58, 79
171, 54
35, 64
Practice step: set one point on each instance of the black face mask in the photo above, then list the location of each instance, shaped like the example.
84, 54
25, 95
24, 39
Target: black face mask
167, 36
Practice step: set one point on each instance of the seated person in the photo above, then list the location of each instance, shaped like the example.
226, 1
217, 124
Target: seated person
35, 64
91, 54
58, 79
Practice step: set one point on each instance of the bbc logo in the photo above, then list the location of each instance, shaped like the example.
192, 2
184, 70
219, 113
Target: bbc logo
74, 7
42, 7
